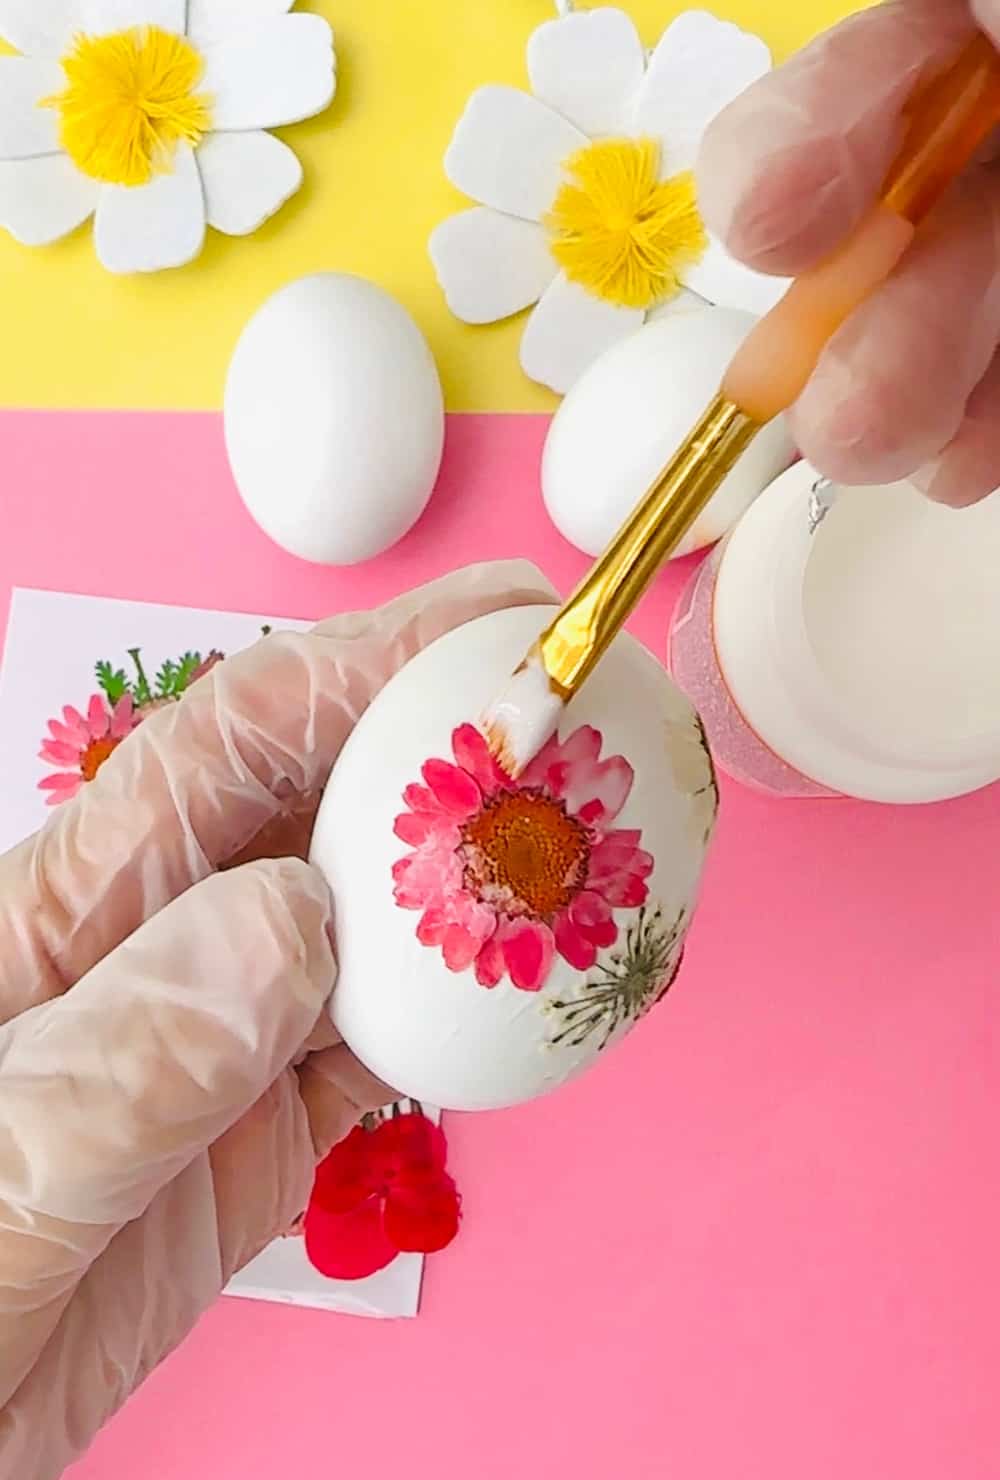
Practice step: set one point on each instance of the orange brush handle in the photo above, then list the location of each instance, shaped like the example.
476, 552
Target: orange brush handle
947, 121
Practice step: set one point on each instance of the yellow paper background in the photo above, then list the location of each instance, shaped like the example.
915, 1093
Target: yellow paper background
74, 336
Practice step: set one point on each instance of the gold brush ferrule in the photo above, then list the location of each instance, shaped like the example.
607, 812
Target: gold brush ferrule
596, 612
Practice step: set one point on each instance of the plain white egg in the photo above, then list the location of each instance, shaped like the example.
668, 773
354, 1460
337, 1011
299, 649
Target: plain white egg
437, 1034
625, 418
334, 419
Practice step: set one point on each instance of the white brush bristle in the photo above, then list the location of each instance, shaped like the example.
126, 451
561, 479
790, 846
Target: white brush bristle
525, 716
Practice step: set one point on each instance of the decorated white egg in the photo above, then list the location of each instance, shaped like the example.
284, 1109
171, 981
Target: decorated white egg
494, 937
334, 419
628, 414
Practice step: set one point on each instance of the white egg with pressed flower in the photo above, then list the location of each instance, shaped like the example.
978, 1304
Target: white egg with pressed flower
494, 937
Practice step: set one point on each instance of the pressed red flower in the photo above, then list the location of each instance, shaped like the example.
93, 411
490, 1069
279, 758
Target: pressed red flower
381, 1193
422, 1214
348, 1246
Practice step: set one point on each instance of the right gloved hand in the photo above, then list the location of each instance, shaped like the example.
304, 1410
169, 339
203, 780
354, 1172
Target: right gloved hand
910, 385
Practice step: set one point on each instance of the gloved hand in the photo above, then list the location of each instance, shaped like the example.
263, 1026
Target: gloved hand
912, 380
169, 1077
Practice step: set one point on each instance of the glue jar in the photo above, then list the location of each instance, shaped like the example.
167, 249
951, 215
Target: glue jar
846, 642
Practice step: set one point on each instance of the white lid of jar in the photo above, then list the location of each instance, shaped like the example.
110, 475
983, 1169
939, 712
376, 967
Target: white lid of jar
865, 649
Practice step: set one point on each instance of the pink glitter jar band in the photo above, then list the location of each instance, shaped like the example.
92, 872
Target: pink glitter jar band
693, 662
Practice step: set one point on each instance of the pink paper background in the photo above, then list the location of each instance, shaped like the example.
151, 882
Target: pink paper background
759, 1242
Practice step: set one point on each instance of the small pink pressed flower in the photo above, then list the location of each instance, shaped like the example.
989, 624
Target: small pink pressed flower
508, 874
83, 743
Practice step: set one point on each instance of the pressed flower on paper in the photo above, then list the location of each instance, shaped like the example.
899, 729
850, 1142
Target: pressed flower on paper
172, 679
505, 874
587, 201
382, 1191
79, 743
152, 117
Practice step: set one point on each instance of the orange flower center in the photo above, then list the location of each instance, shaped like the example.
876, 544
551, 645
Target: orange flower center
95, 755
525, 854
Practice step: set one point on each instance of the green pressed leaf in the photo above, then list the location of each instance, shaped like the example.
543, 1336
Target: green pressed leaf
165, 680
174, 677
141, 691
112, 681
185, 669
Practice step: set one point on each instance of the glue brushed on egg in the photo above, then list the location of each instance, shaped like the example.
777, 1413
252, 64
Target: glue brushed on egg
334, 419
628, 414
611, 833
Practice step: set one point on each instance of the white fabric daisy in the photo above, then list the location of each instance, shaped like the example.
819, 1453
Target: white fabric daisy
586, 188
151, 116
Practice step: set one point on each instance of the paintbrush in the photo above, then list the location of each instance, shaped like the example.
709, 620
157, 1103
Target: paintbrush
946, 121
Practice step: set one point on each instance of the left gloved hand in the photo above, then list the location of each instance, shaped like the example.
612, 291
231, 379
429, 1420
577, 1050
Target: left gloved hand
169, 1077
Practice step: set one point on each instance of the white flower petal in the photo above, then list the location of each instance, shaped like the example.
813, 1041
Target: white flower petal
722, 280
699, 67
26, 129
567, 332
44, 199
209, 19
247, 177
683, 301
149, 227
507, 152
100, 17
588, 65
279, 71
41, 28
490, 265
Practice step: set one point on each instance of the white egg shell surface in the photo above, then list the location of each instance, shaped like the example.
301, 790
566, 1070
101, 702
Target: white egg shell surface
334, 419
438, 1035
627, 415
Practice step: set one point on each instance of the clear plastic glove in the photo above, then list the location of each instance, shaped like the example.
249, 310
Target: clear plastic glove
912, 380
168, 1075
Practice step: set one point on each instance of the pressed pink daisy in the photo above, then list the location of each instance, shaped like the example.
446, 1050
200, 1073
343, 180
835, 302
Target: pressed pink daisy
506, 874
83, 743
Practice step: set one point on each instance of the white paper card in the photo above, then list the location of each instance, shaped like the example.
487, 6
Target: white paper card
53, 641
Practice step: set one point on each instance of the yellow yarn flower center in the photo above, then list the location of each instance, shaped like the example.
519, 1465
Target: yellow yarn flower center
621, 231
131, 99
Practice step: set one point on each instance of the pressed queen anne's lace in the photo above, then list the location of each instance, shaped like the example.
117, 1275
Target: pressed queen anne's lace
626, 985
508, 874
